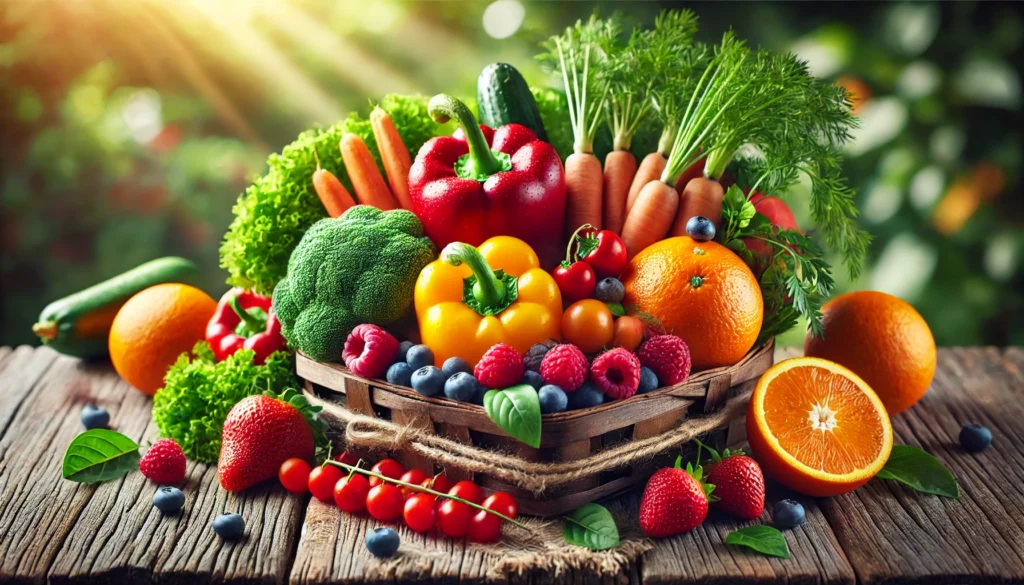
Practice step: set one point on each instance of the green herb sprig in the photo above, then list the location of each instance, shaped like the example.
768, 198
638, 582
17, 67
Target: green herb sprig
672, 57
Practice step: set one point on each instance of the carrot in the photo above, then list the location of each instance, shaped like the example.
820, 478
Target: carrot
619, 170
393, 154
583, 185
362, 170
701, 196
650, 169
651, 216
332, 193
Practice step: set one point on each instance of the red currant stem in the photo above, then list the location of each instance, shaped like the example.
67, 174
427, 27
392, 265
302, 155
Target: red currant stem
420, 488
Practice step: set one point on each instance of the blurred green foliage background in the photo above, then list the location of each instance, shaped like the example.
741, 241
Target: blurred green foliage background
127, 129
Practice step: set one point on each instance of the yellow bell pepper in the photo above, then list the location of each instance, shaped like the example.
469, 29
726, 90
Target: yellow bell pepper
472, 298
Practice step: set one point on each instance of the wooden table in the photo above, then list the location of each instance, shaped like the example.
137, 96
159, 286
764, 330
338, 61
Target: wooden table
56, 531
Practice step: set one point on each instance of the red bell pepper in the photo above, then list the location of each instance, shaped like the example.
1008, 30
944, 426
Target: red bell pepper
244, 320
480, 183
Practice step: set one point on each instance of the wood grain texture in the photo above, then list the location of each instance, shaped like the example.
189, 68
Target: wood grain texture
895, 535
20, 369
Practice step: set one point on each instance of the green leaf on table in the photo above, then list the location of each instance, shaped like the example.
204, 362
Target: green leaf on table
763, 539
516, 411
99, 455
920, 470
591, 526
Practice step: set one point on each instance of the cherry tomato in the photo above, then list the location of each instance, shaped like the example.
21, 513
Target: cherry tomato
384, 502
414, 476
388, 468
322, 480
589, 325
350, 493
502, 503
484, 527
453, 518
604, 250
467, 490
420, 513
347, 457
438, 483
294, 475
575, 281
629, 333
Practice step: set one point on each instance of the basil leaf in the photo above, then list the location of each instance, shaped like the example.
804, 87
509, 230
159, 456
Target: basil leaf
516, 411
99, 455
920, 470
763, 539
591, 526
617, 309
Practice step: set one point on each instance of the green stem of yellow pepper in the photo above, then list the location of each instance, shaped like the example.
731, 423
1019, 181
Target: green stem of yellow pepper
489, 292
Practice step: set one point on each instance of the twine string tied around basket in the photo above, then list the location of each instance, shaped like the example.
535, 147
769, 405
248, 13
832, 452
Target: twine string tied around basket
380, 434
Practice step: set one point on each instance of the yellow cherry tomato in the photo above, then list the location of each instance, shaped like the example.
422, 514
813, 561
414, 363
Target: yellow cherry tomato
589, 325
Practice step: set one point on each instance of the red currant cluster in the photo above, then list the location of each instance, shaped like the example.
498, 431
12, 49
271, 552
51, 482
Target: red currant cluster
388, 492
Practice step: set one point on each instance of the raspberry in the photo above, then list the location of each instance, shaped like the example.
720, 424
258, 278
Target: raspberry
501, 367
668, 356
616, 373
369, 350
564, 366
164, 462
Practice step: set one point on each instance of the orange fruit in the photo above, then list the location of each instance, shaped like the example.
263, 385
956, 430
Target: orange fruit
700, 291
153, 328
817, 428
589, 325
883, 340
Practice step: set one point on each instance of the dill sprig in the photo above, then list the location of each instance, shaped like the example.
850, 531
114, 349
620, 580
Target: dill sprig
577, 55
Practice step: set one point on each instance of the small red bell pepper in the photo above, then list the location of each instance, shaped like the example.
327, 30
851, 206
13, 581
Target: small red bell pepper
480, 183
244, 320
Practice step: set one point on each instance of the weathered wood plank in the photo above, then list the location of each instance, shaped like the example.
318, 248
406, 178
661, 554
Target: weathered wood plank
894, 535
37, 507
701, 556
119, 535
20, 369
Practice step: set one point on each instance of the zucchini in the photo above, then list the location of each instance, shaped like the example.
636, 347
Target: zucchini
79, 324
504, 98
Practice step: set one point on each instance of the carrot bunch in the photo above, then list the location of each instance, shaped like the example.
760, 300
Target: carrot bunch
367, 182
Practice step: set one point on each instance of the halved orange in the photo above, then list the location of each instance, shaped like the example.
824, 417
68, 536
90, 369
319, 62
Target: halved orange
817, 428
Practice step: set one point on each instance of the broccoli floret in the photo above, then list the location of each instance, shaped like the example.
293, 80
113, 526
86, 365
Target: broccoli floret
358, 268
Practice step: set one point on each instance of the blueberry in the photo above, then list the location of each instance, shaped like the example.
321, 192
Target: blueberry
382, 542
975, 438
419, 356
700, 228
533, 379
648, 380
400, 374
428, 381
462, 387
454, 365
552, 399
229, 525
610, 290
168, 500
403, 350
94, 417
586, 396
788, 514
535, 355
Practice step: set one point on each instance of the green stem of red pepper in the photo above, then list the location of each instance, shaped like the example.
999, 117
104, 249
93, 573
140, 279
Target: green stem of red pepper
481, 162
252, 323
488, 292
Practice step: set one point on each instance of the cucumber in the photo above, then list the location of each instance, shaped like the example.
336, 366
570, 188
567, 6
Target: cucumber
78, 324
504, 98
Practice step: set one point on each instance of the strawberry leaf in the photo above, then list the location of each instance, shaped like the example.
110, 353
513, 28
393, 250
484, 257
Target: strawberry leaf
99, 455
920, 470
763, 539
591, 526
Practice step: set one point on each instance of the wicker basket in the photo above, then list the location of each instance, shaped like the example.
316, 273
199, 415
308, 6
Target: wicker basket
564, 436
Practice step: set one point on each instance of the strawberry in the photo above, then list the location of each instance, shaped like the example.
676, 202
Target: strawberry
674, 501
261, 432
739, 483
